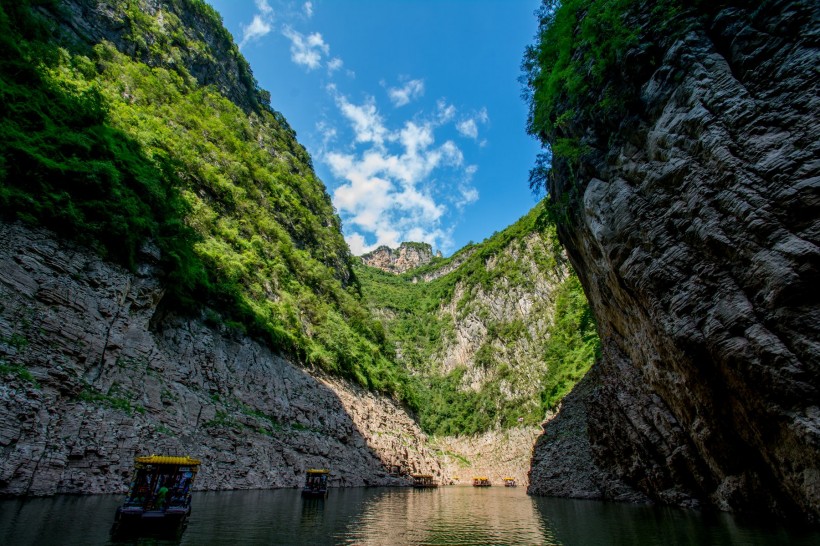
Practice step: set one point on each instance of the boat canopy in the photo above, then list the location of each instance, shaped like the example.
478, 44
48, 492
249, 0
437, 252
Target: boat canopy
168, 459
318, 471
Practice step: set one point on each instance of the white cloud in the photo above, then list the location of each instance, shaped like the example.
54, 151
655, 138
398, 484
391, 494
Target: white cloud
308, 7
365, 119
467, 193
328, 132
468, 128
396, 185
263, 7
446, 112
306, 50
334, 64
411, 90
261, 24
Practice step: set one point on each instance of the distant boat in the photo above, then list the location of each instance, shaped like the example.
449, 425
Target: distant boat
316, 483
509, 482
159, 498
481, 481
424, 481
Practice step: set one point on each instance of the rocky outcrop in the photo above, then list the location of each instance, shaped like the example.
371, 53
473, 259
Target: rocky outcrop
408, 256
95, 371
562, 462
697, 246
496, 454
505, 321
215, 61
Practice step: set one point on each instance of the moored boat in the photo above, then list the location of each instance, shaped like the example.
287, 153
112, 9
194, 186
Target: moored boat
509, 482
424, 481
316, 483
481, 481
159, 498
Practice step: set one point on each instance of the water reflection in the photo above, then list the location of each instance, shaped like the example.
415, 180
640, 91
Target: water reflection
593, 522
449, 515
452, 515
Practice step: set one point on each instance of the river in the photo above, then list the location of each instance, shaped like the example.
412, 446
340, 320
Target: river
460, 515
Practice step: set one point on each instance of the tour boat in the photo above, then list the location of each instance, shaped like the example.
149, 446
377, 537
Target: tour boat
316, 483
159, 498
424, 481
481, 481
509, 482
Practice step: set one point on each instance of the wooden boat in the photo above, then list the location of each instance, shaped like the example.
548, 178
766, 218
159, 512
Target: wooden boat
316, 483
481, 481
159, 498
424, 481
509, 482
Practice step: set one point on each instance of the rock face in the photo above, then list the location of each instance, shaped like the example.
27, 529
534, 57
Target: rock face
698, 249
408, 256
521, 305
562, 460
218, 63
496, 454
94, 372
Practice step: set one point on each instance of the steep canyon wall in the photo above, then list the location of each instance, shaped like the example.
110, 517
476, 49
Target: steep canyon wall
697, 245
94, 372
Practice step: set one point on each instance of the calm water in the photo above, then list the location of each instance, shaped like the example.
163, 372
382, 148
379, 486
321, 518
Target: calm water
450, 515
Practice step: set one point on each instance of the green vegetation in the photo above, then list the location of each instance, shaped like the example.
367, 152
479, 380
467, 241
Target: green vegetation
20, 372
583, 73
114, 398
573, 343
123, 152
419, 327
114, 153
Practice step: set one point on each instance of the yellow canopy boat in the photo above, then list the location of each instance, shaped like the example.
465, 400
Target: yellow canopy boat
481, 481
316, 483
423, 481
159, 495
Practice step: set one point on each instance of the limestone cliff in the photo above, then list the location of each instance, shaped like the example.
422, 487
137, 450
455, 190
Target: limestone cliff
696, 240
161, 32
94, 372
496, 333
408, 256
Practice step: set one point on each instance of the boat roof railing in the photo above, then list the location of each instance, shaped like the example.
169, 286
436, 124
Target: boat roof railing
167, 459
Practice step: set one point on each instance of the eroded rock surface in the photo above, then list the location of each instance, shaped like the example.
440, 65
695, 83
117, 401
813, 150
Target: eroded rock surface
408, 256
698, 250
94, 372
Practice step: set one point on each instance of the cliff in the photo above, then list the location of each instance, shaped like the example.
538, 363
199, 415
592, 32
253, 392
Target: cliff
496, 334
408, 256
692, 221
95, 372
173, 275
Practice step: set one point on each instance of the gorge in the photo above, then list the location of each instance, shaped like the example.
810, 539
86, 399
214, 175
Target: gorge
692, 220
174, 278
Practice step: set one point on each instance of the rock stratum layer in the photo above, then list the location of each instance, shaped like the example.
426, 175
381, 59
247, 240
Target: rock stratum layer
95, 372
697, 246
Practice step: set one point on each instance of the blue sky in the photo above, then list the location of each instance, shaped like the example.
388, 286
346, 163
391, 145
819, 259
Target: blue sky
411, 110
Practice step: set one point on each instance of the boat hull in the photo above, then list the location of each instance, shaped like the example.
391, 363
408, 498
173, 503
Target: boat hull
313, 494
150, 522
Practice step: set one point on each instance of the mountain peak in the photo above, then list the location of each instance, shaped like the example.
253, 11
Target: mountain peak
409, 255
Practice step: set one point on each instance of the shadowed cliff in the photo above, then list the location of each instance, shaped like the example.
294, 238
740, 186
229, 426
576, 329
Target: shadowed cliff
690, 212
